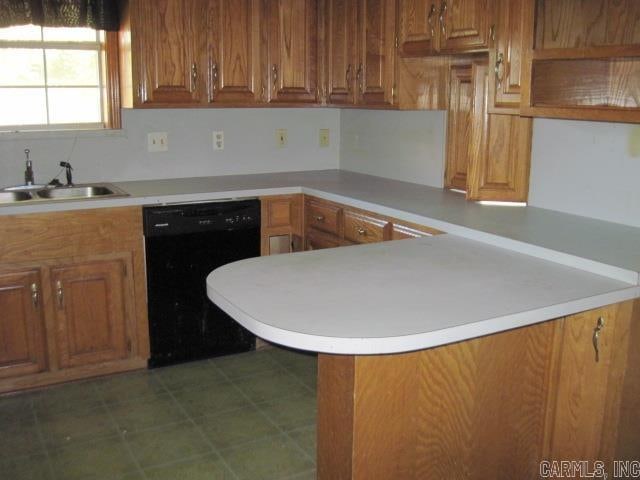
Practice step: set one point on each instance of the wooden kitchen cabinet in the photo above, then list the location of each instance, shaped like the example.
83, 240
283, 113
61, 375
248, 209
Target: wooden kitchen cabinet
22, 348
428, 27
87, 314
91, 308
340, 52
488, 155
361, 228
506, 56
360, 53
233, 53
292, 51
593, 400
281, 224
167, 63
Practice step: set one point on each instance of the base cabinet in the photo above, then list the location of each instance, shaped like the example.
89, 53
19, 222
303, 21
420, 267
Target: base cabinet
91, 312
77, 309
21, 328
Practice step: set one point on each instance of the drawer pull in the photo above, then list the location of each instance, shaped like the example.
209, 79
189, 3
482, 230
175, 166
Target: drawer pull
60, 294
596, 337
319, 218
35, 295
361, 231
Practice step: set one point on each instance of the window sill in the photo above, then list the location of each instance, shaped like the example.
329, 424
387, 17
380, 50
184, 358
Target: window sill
44, 134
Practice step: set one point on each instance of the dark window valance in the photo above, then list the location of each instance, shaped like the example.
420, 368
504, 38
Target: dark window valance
98, 14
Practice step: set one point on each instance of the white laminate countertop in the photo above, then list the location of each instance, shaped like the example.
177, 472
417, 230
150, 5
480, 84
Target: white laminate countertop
403, 295
596, 246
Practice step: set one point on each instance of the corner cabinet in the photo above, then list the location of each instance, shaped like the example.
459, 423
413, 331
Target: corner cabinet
77, 307
281, 224
22, 347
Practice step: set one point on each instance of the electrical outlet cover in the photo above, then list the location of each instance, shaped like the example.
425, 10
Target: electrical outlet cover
218, 140
157, 142
324, 137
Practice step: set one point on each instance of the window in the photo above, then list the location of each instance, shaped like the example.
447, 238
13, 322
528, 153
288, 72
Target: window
54, 78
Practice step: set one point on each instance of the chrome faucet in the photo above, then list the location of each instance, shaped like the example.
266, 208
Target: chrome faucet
28, 172
68, 169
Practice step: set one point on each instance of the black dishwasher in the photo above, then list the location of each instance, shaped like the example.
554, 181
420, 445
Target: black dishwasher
184, 243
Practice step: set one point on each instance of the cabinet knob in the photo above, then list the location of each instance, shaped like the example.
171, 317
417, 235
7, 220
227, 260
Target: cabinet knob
361, 231
319, 218
596, 337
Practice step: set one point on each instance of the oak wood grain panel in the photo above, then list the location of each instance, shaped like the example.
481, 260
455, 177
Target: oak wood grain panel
417, 27
623, 22
171, 69
459, 123
91, 312
500, 154
588, 394
292, 74
423, 83
22, 349
233, 63
360, 228
404, 230
464, 25
323, 216
340, 60
506, 57
376, 72
280, 215
46, 238
336, 384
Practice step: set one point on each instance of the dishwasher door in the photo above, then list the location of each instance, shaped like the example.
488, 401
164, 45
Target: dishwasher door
183, 323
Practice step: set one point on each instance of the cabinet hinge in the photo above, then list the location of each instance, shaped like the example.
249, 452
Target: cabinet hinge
124, 269
397, 43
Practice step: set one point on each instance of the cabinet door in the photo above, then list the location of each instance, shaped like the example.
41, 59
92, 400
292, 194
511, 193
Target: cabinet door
417, 27
506, 57
292, 50
500, 154
91, 312
375, 75
459, 127
233, 61
340, 51
22, 348
281, 224
170, 34
591, 397
464, 25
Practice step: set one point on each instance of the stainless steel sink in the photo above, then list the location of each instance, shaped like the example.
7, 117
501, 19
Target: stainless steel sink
15, 196
79, 191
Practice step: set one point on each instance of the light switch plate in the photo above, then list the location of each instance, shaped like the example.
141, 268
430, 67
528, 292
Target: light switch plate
157, 142
324, 137
218, 140
281, 137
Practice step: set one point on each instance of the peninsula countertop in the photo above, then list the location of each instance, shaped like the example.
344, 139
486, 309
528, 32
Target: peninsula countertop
600, 247
402, 295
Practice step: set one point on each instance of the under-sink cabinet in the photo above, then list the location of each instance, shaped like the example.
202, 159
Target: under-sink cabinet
72, 296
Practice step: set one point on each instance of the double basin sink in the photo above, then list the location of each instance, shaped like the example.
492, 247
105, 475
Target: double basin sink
75, 192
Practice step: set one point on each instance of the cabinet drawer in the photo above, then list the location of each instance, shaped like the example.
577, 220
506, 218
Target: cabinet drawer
364, 229
320, 241
323, 216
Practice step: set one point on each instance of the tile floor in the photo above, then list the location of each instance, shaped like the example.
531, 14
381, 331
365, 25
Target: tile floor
242, 417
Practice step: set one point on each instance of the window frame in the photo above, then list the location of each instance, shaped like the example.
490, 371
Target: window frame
109, 87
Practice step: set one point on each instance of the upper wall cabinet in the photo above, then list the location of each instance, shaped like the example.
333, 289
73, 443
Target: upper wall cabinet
167, 67
447, 26
233, 53
505, 56
292, 50
360, 52
583, 59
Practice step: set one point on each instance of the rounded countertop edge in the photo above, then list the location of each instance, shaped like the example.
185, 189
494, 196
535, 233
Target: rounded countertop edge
410, 342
